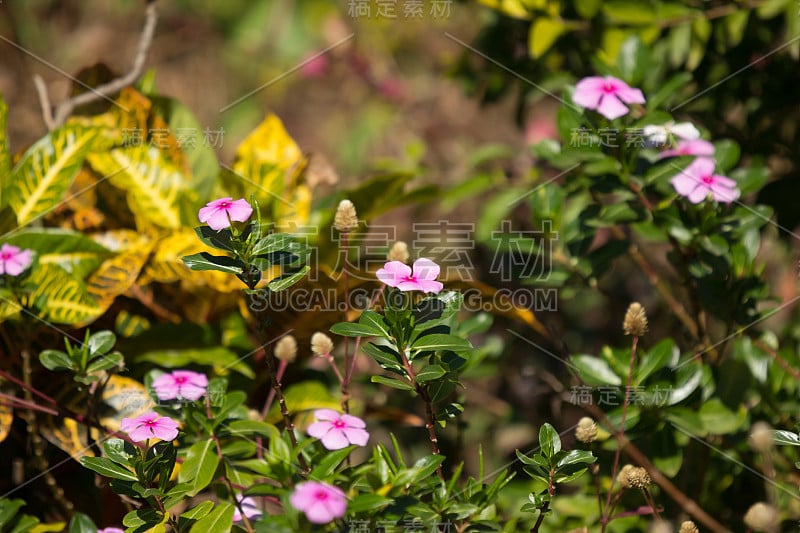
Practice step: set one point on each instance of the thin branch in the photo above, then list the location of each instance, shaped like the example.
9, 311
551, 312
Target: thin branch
55, 118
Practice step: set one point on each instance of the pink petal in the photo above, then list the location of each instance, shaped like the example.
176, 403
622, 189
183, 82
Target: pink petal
699, 194
335, 439
588, 92
353, 421
128, 424
722, 193
685, 130
628, 94
190, 391
430, 286
319, 429
327, 414
684, 184
702, 166
359, 437
611, 107
165, 428
218, 220
240, 210
425, 269
393, 273
724, 181
140, 433
319, 513
165, 387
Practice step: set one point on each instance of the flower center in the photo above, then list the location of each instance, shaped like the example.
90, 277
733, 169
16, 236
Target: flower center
180, 380
321, 495
224, 205
708, 180
338, 424
6, 256
609, 88
150, 423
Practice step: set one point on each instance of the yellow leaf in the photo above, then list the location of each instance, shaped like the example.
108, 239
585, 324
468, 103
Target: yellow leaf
543, 34
69, 436
46, 528
116, 275
512, 8
6, 418
64, 298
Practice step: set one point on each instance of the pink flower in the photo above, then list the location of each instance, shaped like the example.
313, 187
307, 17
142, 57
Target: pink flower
111, 530
249, 507
14, 261
322, 503
397, 274
337, 431
607, 96
219, 213
697, 147
181, 384
150, 425
698, 180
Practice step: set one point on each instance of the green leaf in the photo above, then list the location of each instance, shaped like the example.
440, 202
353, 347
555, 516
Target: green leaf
287, 279
594, 371
726, 154
45, 172
221, 240
779, 437
386, 356
252, 427
206, 261
81, 523
350, 329
104, 362
56, 360
549, 441
393, 382
116, 451
142, 519
8, 509
430, 373
655, 359
576, 457
200, 465
375, 321
543, 34
332, 459
101, 342
632, 60
718, 419
220, 520
439, 341
426, 466
154, 184
621, 12
367, 502
198, 511
105, 467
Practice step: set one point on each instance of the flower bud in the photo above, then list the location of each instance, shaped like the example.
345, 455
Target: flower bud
346, 218
639, 478
688, 527
286, 349
586, 431
761, 437
398, 252
321, 344
622, 477
761, 517
635, 322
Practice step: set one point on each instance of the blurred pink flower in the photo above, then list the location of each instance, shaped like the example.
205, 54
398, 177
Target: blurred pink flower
180, 384
322, 503
697, 180
400, 275
315, 65
698, 147
249, 507
111, 530
337, 431
219, 213
13, 261
607, 95
150, 425
659, 135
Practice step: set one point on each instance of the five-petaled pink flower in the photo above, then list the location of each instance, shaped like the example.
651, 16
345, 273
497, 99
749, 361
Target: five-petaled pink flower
697, 147
13, 261
697, 180
180, 384
249, 507
337, 431
400, 275
322, 503
219, 213
150, 425
606, 95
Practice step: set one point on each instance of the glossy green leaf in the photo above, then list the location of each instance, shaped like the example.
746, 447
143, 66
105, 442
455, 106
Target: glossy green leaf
206, 261
56, 360
439, 341
429, 373
200, 465
594, 371
81, 523
105, 467
549, 441
393, 382
543, 34
286, 280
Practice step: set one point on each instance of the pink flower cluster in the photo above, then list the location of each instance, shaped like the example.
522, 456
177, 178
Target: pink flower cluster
337, 431
219, 214
150, 425
421, 278
13, 260
611, 96
180, 385
321, 502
